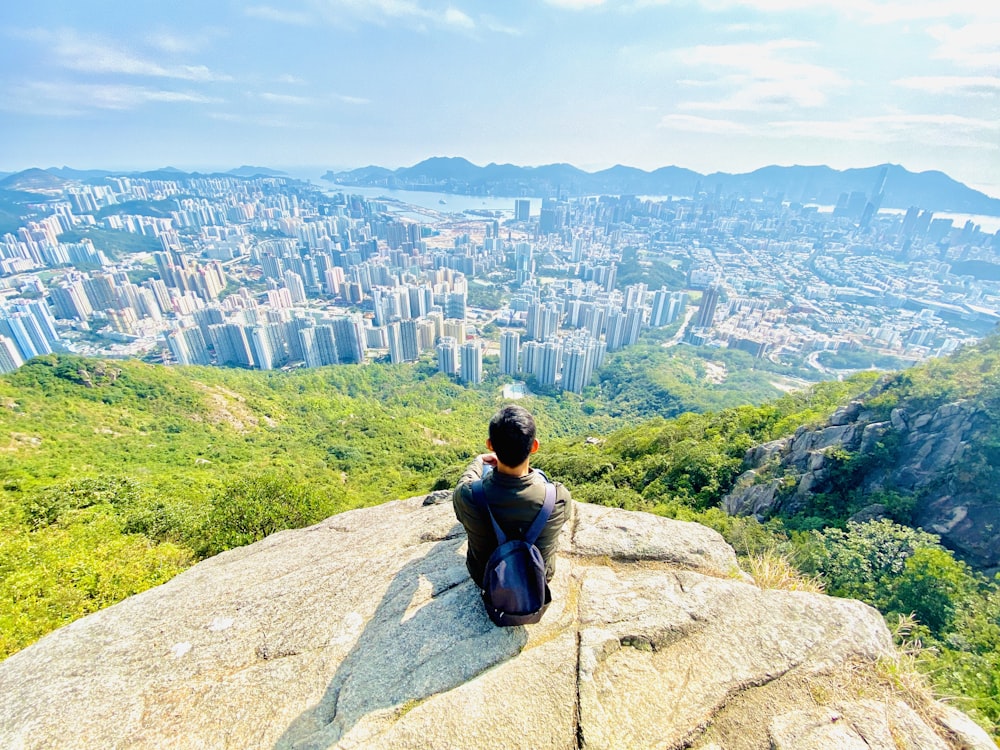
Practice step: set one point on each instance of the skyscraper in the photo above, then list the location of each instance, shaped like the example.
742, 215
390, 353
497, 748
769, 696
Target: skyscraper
522, 209
615, 336
350, 340
70, 301
633, 326
411, 344
395, 335
231, 345
455, 303
706, 312
472, 362
188, 346
10, 357
447, 353
510, 344
550, 364
260, 347
296, 287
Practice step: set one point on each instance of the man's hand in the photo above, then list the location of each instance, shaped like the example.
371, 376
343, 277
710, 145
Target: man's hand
490, 459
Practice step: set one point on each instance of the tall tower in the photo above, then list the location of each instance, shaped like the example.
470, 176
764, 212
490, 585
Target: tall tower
472, 362
551, 363
510, 345
10, 357
706, 312
447, 352
349, 338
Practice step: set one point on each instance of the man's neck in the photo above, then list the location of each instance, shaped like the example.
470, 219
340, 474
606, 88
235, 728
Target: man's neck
514, 471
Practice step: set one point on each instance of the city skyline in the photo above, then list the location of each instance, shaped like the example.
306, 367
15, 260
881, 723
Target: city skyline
713, 85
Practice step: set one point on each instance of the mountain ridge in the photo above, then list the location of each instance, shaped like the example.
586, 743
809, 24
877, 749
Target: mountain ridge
364, 631
219, 446
807, 184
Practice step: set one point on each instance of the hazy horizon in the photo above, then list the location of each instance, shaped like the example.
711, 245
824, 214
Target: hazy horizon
711, 86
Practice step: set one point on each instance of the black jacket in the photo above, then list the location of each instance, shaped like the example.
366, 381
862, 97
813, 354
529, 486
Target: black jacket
514, 501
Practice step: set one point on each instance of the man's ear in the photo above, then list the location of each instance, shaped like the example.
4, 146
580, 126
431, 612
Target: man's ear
489, 445
534, 445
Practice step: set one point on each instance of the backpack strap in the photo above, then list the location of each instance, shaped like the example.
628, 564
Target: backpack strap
479, 498
535, 530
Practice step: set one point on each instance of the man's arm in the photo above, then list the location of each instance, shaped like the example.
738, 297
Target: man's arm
473, 472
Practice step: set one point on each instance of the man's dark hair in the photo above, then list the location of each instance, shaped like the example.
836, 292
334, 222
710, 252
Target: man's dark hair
512, 433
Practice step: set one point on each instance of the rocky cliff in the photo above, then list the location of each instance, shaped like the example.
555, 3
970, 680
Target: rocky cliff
364, 632
936, 455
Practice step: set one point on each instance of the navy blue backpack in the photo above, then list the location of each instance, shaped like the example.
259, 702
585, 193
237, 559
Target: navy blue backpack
514, 588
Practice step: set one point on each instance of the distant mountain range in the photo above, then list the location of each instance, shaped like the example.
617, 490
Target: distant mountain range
54, 178
934, 191
815, 184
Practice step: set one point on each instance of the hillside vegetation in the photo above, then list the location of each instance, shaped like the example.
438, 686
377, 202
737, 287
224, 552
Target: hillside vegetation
118, 475
683, 467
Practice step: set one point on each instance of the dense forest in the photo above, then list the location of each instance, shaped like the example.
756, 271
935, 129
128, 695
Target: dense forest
118, 475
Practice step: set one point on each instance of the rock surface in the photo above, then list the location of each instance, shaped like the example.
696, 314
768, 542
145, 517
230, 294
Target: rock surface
929, 463
364, 631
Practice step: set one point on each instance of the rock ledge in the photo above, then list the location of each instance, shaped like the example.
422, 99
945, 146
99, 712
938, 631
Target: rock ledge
364, 632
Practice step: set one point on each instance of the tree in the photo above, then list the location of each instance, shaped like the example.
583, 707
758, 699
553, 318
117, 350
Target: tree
252, 507
932, 587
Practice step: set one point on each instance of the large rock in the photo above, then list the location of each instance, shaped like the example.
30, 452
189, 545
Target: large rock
364, 631
930, 462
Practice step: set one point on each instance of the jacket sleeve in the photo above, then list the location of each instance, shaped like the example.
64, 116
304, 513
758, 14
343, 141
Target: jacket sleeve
462, 501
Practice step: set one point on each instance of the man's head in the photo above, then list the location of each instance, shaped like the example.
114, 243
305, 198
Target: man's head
512, 435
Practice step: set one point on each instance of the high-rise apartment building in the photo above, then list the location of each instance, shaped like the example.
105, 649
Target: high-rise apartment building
232, 348
472, 362
10, 357
633, 326
550, 363
261, 348
581, 357
510, 345
347, 331
615, 335
188, 346
447, 353
70, 301
706, 311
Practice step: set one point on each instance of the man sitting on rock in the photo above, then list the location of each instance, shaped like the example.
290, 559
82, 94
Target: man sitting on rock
515, 492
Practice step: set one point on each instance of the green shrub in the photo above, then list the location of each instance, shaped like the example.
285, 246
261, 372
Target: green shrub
254, 506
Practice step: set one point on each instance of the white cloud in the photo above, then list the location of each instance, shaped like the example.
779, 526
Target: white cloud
455, 17
269, 96
765, 76
491, 23
380, 12
957, 85
268, 121
279, 15
973, 46
351, 99
928, 130
92, 54
866, 11
931, 131
710, 126
64, 99
185, 43
575, 4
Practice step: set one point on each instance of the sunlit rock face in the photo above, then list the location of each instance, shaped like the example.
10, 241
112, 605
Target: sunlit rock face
932, 462
364, 631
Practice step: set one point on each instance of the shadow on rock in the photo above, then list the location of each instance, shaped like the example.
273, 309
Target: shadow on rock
428, 635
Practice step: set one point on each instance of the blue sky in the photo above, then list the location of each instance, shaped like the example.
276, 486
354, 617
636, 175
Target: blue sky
727, 85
